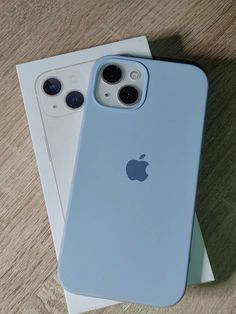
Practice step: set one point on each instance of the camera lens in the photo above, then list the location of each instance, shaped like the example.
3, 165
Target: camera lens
74, 100
52, 86
128, 95
111, 74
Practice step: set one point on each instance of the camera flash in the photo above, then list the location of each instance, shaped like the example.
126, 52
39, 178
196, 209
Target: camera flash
135, 75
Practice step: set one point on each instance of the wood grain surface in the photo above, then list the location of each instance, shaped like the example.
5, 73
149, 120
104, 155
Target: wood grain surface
200, 31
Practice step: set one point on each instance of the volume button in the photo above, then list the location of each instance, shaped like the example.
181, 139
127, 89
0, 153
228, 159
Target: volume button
48, 150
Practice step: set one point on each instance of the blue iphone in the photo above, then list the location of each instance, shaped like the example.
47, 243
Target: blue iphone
129, 225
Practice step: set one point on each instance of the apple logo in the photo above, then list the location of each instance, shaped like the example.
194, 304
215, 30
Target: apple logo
136, 169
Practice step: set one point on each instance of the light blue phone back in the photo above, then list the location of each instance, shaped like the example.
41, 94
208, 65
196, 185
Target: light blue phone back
125, 239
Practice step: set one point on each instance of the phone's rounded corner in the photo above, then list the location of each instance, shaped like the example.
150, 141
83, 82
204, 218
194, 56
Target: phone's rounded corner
62, 280
201, 72
175, 299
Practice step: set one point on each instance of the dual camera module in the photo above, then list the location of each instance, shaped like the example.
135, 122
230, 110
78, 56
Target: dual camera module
127, 94
74, 99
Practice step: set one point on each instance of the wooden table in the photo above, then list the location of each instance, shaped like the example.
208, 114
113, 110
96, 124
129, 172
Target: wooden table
201, 31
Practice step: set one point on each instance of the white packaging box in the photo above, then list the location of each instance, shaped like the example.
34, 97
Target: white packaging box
199, 268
